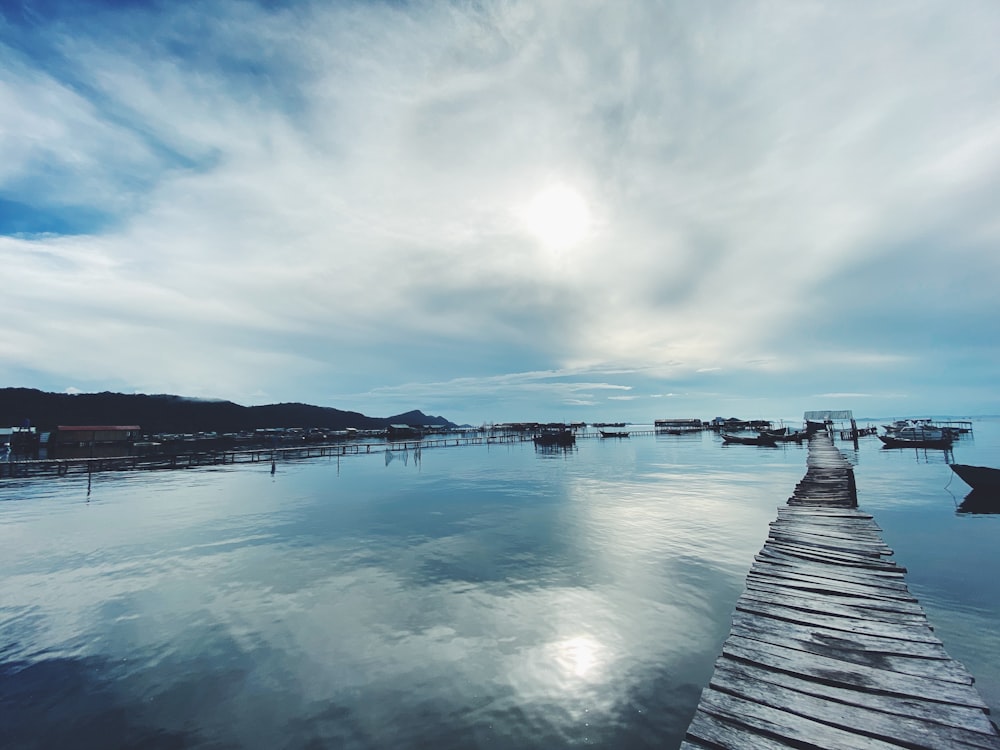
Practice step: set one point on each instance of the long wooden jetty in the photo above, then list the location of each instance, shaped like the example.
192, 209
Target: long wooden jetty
21, 468
213, 457
828, 648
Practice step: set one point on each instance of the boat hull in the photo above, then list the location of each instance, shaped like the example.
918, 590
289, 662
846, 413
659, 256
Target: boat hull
742, 440
978, 477
888, 441
555, 438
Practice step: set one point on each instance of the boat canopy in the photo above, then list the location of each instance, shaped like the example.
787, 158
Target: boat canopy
829, 416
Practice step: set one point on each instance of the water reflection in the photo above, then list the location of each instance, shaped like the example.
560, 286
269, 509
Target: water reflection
981, 501
554, 451
481, 598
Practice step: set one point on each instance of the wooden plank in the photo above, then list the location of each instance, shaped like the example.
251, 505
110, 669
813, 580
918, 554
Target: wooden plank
860, 526
855, 560
849, 530
827, 595
847, 517
824, 606
744, 623
717, 733
784, 725
804, 553
829, 534
857, 676
768, 556
846, 624
894, 588
772, 557
844, 540
820, 513
866, 527
830, 545
781, 577
944, 714
869, 722
859, 550
846, 650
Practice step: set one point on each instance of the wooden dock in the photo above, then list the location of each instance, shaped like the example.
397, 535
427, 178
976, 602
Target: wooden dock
23, 468
828, 648
195, 458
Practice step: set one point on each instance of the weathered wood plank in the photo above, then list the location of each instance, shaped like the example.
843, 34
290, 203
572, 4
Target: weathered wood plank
810, 552
844, 541
797, 566
867, 586
820, 515
716, 733
850, 530
771, 557
946, 714
827, 594
783, 552
846, 624
784, 725
857, 676
911, 731
865, 526
745, 623
826, 606
841, 545
852, 652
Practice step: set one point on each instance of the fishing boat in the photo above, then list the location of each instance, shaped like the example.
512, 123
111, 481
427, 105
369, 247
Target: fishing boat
555, 437
978, 477
922, 432
787, 436
614, 434
891, 441
758, 439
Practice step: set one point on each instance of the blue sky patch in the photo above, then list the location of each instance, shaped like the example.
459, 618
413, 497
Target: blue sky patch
18, 219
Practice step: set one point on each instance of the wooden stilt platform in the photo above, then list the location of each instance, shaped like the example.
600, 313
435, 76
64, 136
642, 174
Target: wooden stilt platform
828, 648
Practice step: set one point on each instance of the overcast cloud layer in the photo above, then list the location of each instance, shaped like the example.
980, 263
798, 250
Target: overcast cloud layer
506, 210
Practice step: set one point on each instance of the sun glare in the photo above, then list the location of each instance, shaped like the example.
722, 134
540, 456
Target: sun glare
580, 656
558, 217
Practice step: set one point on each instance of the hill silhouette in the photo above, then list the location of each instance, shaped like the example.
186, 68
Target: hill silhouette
177, 414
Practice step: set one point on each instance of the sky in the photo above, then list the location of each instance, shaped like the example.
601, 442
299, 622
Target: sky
584, 210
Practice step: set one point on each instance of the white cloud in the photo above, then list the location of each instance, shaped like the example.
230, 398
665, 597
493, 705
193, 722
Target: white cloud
326, 201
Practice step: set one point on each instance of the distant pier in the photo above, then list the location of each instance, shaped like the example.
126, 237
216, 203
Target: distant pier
259, 454
59, 467
828, 648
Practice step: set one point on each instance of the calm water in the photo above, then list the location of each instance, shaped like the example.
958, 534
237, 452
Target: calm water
466, 597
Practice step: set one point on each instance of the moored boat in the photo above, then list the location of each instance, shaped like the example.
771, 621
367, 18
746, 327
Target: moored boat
922, 432
978, 477
614, 434
555, 437
758, 439
891, 441
787, 436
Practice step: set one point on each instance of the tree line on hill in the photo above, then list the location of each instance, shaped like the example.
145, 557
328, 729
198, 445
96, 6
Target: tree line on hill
177, 414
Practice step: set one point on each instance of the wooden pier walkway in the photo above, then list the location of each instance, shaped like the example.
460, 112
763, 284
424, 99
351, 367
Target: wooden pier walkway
23, 468
828, 648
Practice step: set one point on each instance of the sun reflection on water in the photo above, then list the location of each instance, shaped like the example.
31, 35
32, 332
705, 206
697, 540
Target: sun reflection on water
580, 656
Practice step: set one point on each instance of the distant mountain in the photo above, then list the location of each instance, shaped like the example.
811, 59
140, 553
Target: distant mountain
165, 413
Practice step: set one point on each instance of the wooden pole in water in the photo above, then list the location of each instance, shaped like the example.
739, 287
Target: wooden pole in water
854, 434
